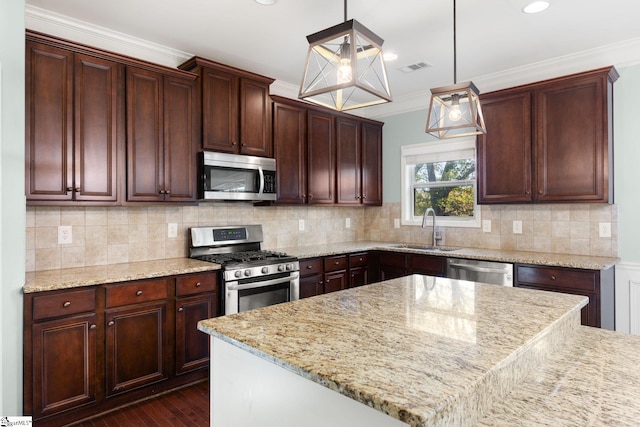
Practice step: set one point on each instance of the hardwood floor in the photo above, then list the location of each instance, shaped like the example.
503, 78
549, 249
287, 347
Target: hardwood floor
187, 407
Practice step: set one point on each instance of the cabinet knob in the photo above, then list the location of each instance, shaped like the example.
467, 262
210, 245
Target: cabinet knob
553, 277
360, 259
198, 284
92, 327
309, 267
337, 263
161, 191
539, 191
310, 196
66, 304
364, 197
167, 191
181, 309
111, 323
138, 293
77, 189
527, 192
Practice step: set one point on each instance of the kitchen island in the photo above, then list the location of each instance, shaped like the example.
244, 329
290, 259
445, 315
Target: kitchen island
415, 351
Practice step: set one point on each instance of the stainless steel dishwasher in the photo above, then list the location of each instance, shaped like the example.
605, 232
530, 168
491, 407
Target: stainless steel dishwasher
495, 273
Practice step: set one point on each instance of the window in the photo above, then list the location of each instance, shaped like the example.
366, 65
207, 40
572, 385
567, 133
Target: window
440, 175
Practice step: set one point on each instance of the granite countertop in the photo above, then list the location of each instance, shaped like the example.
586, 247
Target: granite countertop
424, 350
539, 258
66, 278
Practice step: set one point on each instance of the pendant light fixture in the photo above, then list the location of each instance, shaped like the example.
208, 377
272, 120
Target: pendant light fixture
455, 110
345, 67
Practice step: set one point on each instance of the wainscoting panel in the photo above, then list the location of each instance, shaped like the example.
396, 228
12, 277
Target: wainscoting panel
628, 298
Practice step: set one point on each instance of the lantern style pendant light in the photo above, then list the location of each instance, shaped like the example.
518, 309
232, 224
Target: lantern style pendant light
455, 109
345, 68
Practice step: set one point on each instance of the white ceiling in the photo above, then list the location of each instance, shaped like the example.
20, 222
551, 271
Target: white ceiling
496, 42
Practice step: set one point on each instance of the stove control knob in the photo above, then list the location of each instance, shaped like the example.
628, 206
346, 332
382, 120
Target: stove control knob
238, 273
289, 267
281, 267
247, 272
265, 270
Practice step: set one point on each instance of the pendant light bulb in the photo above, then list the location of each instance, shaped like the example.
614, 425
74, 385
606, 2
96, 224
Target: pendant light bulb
345, 73
455, 114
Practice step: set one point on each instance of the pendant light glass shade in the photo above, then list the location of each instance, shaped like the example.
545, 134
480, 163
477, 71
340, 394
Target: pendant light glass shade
455, 111
345, 68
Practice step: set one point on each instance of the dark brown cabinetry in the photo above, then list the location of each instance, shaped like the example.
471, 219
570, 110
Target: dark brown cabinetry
358, 269
161, 136
63, 352
311, 277
236, 108
427, 264
325, 157
598, 285
549, 141
73, 118
333, 273
392, 265
91, 350
336, 276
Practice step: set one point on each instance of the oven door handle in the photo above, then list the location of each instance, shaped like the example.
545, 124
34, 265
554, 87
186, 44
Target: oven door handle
233, 286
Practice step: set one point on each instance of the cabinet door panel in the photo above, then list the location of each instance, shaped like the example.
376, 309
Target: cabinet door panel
321, 158
97, 106
144, 136
359, 276
311, 286
348, 167
192, 346
49, 123
289, 143
371, 164
255, 119
180, 139
571, 150
504, 153
136, 346
64, 364
336, 281
219, 111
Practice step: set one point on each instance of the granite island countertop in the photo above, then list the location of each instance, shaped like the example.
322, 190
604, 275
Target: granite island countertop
421, 349
67, 278
539, 258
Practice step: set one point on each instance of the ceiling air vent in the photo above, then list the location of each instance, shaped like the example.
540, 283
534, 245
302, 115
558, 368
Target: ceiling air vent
415, 67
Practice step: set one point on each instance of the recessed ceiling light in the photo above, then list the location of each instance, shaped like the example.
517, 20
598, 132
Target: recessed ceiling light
267, 2
536, 7
390, 56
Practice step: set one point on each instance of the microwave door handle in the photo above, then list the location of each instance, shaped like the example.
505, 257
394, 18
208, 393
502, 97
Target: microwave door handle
261, 173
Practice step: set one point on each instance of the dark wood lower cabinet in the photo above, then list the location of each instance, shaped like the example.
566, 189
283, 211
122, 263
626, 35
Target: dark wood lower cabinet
91, 350
333, 273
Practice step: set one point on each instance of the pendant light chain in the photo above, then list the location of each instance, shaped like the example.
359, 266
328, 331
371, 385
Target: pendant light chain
455, 70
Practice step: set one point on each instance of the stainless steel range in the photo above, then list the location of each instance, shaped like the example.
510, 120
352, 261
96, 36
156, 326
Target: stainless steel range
252, 277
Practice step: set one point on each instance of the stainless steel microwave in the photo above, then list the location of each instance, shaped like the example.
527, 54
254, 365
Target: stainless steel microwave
237, 177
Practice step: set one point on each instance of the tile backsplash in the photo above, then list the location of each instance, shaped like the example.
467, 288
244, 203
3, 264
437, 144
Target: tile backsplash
109, 235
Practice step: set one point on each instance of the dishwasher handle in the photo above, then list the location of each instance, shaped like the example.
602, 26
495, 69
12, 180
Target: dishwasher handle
478, 269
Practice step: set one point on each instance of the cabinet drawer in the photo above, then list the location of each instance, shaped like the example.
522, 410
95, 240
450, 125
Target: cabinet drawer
557, 277
358, 260
310, 266
64, 304
335, 263
427, 264
196, 283
136, 292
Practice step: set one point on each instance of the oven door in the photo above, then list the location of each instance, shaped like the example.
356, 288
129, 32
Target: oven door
249, 294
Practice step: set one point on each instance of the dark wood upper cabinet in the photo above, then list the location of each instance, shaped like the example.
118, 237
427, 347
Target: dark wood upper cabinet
549, 142
321, 148
371, 184
348, 162
161, 136
74, 113
290, 152
236, 108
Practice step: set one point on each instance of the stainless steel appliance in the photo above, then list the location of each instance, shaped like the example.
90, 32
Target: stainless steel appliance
495, 273
236, 177
252, 278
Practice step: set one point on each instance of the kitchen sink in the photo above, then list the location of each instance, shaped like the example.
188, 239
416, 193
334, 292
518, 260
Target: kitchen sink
427, 248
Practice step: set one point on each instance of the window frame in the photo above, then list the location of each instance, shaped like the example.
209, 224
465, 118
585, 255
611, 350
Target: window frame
439, 150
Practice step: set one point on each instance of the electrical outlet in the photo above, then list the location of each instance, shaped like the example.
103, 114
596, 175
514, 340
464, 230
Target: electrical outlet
517, 227
604, 229
301, 225
486, 225
347, 222
64, 235
172, 230
396, 223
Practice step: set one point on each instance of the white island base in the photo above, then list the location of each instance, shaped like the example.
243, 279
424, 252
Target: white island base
248, 391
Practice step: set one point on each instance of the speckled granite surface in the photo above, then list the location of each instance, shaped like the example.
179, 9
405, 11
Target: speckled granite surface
540, 258
595, 381
425, 350
87, 276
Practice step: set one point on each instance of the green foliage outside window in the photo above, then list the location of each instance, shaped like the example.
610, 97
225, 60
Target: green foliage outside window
445, 187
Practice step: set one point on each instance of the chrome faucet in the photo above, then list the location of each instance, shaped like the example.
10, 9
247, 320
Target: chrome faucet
424, 224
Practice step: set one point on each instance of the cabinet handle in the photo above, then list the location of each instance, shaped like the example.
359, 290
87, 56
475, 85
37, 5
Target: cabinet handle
181, 309
167, 191
77, 189
527, 192
161, 191
553, 277
364, 197
66, 304
198, 284
309, 267
138, 293
111, 323
310, 196
337, 263
92, 327
360, 259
